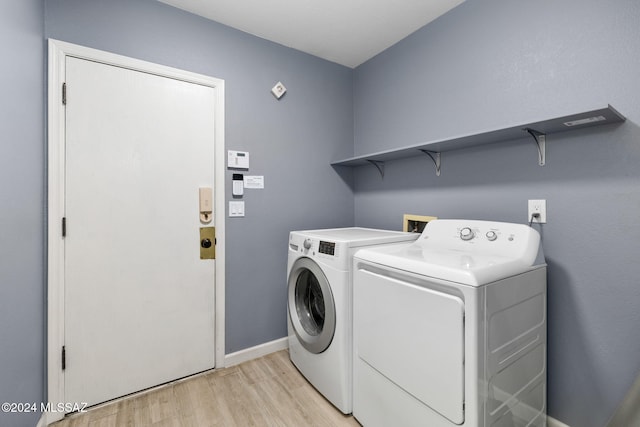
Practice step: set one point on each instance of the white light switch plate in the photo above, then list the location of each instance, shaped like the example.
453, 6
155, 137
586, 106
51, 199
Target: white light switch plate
236, 209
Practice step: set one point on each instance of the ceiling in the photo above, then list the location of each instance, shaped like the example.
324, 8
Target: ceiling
348, 32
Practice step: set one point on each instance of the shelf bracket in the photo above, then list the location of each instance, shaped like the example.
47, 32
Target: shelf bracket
379, 165
540, 142
435, 156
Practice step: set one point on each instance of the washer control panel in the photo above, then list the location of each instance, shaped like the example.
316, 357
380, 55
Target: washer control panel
311, 246
328, 248
307, 243
330, 253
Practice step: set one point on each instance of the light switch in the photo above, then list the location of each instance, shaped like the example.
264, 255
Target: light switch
236, 209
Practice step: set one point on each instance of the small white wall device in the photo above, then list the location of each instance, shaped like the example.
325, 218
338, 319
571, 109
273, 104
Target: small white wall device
236, 209
238, 184
278, 90
238, 159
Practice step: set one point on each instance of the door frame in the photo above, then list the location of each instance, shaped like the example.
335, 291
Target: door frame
58, 52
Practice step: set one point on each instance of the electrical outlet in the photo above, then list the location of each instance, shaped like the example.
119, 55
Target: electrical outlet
537, 207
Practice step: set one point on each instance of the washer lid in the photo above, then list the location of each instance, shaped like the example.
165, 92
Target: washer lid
467, 252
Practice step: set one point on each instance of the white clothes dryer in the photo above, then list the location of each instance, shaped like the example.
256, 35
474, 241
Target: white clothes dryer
451, 330
320, 305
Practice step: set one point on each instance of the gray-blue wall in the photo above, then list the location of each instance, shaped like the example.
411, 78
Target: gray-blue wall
290, 141
483, 65
495, 63
22, 208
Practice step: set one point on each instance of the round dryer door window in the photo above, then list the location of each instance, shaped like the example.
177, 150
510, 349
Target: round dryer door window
311, 307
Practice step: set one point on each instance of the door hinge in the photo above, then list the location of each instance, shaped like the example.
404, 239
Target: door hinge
64, 358
64, 226
64, 94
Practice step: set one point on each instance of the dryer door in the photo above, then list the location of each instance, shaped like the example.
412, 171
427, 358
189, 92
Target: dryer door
311, 307
414, 336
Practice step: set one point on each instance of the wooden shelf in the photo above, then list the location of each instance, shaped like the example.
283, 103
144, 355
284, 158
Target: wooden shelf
538, 130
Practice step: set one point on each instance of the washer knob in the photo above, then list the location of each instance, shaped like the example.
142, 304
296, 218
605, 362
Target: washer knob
491, 236
466, 233
307, 244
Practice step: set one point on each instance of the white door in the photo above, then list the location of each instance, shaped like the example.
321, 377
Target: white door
139, 301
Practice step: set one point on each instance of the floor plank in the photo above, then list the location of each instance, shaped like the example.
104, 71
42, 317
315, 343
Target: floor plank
268, 391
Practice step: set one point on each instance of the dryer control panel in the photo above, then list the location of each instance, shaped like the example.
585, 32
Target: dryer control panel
514, 241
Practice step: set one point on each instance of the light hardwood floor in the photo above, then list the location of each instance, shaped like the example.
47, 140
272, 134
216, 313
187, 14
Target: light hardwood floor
268, 391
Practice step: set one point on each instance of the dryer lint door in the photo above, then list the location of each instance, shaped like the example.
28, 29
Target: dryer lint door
414, 336
311, 306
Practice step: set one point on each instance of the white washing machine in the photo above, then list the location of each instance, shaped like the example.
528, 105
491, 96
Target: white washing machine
320, 305
451, 330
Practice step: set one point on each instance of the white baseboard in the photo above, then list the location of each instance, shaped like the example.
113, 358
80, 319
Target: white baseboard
552, 422
255, 352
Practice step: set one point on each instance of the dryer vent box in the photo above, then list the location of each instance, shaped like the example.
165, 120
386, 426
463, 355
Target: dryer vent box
415, 223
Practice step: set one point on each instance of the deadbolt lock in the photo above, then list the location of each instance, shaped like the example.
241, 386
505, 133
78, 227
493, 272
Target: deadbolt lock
207, 243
